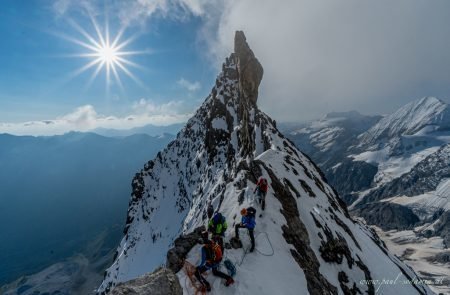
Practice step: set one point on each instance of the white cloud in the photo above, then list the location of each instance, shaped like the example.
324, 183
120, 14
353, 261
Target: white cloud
60, 7
190, 86
197, 7
138, 11
320, 56
85, 118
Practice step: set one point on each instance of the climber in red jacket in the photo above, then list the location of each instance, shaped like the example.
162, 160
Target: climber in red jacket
262, 187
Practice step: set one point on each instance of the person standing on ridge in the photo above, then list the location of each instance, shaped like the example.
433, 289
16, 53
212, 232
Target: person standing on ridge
262, 187
217, 226
211, 258
210, 211
248, 222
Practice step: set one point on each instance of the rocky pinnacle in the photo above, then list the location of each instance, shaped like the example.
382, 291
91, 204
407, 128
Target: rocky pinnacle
249, 69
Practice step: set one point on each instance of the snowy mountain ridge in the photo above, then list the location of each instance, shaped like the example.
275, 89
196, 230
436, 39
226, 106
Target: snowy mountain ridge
328, 141
429, 112
334, 129
397, 180
401, 140
217, 158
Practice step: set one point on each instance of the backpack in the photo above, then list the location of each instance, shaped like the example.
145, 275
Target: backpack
214, 252
230, 267
251, 212
263, 184
217, 224
218, 218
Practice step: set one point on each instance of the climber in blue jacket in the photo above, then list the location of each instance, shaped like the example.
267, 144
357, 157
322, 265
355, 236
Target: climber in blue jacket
248, 222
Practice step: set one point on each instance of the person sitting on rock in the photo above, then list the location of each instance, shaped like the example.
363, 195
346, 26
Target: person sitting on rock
217, 226
248, 222
211, 258
262, 187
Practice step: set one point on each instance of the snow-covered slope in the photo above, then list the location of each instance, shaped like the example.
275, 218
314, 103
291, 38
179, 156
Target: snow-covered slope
333, 132
427, 204
216, 158
327, 142
423, 115
423, 177
401, 140
394, 174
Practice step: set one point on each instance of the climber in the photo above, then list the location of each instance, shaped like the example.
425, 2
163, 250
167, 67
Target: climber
217, 226
262, 187
248, 221
211, 258
210, 211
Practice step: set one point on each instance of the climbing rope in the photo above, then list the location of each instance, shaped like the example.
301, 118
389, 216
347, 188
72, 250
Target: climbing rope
191, 281
189, 270
239, 263
270, 244
243, 256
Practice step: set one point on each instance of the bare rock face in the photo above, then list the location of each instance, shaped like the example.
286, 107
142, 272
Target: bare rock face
182, 246
388, 216
249, 74
162, 281
249, 69
442, 228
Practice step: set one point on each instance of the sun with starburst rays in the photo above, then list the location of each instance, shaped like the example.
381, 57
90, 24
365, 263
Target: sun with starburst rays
106, 53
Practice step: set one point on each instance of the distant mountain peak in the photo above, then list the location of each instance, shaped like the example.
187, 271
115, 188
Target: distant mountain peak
429, 100
425, 104
409, 119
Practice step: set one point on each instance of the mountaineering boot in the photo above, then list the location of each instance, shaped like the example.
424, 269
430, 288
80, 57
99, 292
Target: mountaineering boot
207, 287
229, 281
236, 243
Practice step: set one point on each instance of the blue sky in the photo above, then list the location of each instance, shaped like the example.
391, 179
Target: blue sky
318, 57
37, 79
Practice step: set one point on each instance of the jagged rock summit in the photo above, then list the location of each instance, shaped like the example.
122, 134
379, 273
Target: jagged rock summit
249, 69
306, 243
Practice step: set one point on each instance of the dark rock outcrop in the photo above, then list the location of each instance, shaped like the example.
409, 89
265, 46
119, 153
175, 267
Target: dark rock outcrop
388, 216
249, 69
442, 228
343, 281
443, 257
162, 281
183, 244
351, 176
